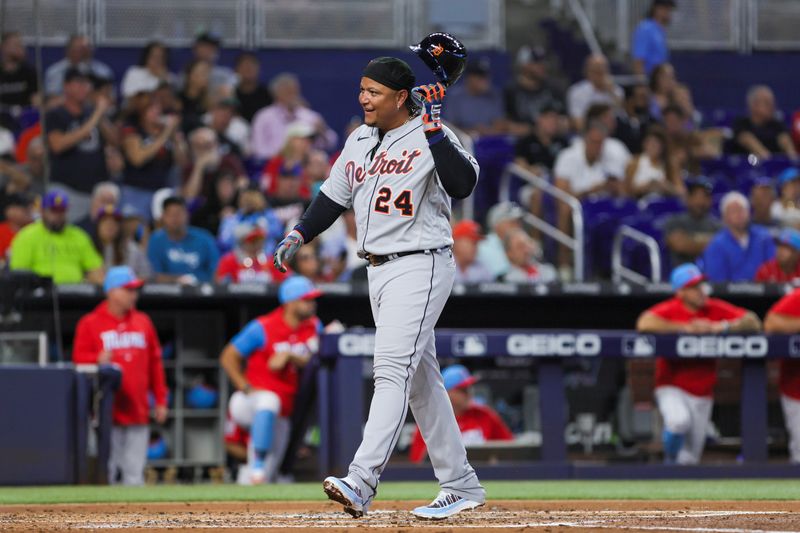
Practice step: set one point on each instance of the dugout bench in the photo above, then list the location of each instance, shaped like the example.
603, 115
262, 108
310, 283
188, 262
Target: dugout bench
342, 414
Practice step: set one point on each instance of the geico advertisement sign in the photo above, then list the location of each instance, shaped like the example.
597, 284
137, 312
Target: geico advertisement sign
356, 344
559, 344
728, 346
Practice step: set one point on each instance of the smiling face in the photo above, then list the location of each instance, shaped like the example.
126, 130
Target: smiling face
383, 107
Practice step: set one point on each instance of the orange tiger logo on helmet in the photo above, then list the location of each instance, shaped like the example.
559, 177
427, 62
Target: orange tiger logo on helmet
437, 50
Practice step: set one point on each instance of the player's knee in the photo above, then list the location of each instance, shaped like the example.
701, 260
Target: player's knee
677, 420
265, 401
390, 372
240, 410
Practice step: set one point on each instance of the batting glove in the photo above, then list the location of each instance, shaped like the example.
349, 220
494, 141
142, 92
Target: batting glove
286, 249
430, 99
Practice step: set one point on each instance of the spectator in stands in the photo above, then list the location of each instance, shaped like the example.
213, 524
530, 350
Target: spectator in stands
207, 167
179, 252
152, 144
501, 220
634, 117
306, 262
685, 147
652, 171
316, 169
289, 163
79, 55
761, 133
784, 319
466, 236
24, 178
251, 93
538, 151
76, 135
475, 106
684, 388
253, 208
195, 97
521, 252
233, 132
687, 234
17, 213
206, 48
597, 88
115, 247
270, 125
530, 91
786, 210
762, 196
649, 47
615, 154
151, 71
682, 97
116, 333
580, 170
785, 266
52, 248
736, 251
340, 239
105, 195
662, 89
478, 423
209, 211
248, 262
18, 84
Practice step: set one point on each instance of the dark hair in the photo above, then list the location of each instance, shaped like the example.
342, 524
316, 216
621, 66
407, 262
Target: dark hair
596, 112
173, 200
656, 73
245, 56
673, 109
74, 37
630, 90
147, 50
117, 245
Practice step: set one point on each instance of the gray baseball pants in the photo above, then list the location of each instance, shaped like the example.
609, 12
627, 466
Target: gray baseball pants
407, 297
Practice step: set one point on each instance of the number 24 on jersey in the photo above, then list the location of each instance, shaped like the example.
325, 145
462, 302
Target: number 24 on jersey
402, 202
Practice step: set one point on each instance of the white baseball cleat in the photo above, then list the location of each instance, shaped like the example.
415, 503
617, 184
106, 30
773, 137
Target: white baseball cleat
444, 506
258, 476
347, 493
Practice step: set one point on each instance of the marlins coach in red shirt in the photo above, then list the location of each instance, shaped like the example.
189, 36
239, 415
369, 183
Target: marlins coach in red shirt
116, 333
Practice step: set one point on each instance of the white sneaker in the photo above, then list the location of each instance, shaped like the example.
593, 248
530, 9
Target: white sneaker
444, 506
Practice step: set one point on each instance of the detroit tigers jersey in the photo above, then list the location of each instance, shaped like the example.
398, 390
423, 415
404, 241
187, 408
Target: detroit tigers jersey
392, 186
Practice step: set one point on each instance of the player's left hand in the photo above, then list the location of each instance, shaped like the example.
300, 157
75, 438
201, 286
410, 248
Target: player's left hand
286, 249
430, 98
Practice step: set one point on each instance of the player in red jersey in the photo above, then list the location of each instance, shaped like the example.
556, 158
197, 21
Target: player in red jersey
248, 262
785, 266
478, 423
274, 347
116, 333
784, 318
684, 387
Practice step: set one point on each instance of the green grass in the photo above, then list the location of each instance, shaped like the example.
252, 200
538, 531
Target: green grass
760, 489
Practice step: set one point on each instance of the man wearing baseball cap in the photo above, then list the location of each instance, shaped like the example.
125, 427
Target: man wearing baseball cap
248, 262
501, 220
466, 236
273, 347
53, 248
785, 266
684, 387
478, 423
116, 333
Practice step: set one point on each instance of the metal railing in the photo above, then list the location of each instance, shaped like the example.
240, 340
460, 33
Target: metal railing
622, 273
573, 242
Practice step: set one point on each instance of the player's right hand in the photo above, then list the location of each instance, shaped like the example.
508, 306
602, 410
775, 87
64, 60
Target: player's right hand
286, 249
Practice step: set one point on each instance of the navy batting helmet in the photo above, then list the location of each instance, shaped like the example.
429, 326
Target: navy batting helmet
444, 55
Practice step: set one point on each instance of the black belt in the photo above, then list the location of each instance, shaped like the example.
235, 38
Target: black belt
378, 260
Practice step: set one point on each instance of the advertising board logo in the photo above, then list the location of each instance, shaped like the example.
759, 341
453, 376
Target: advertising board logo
727, 346
554, 344
639, 345
469, 345
355, 344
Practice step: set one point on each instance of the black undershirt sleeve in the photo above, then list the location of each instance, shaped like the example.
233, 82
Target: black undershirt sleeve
318, 217
455, 171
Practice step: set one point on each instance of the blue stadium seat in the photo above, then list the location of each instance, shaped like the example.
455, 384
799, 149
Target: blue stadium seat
601, 218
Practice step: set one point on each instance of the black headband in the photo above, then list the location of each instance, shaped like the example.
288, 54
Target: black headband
391, 72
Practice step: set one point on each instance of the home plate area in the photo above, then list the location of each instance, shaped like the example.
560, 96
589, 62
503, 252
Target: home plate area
518, 515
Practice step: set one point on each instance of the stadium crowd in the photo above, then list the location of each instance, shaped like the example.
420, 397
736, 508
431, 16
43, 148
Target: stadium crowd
193, 175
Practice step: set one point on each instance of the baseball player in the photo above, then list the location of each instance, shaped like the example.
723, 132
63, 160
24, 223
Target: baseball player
116, 333
477, 423
274, 346
247, 263
784, 318
398, 172
684, 388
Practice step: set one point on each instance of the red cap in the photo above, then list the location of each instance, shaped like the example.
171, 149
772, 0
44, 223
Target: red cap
467, 229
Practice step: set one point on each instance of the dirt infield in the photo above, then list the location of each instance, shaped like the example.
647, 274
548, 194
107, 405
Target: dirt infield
722, 517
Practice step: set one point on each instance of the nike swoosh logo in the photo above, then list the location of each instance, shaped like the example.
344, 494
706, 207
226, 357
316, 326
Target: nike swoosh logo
362, 138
